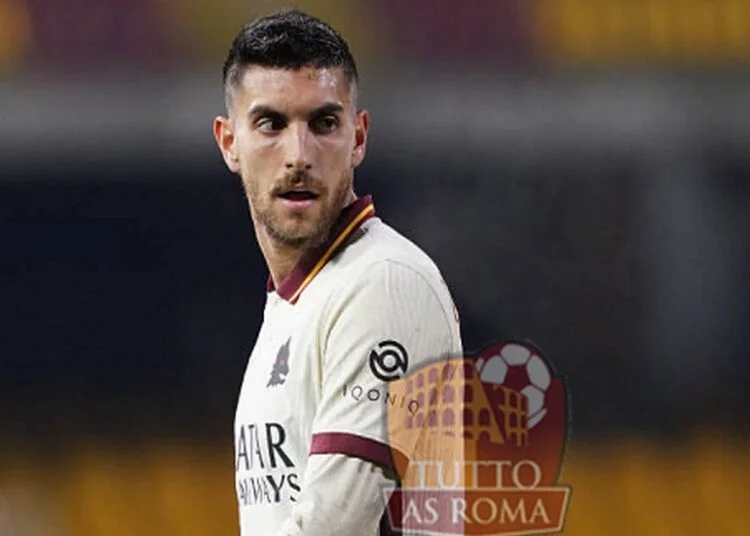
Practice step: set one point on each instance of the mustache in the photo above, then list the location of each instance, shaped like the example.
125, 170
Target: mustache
298, 179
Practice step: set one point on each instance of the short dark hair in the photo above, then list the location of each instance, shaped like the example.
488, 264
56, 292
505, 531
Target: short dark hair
287, 39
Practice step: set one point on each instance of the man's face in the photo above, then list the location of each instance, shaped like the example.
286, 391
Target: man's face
295, 138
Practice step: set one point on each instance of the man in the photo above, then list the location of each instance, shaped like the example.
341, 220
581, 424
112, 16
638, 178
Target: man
351, 304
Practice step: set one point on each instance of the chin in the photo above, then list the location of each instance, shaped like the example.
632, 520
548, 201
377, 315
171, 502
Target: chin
299, 236
306, 229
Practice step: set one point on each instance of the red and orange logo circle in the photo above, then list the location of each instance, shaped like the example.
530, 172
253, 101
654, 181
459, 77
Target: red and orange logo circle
481, 447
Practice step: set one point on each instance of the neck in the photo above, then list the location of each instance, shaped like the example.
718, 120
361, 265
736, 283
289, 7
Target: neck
280, 258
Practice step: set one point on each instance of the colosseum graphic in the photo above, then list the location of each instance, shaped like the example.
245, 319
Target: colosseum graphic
484, 441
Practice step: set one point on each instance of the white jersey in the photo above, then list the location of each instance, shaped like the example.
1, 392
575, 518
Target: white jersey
361, 311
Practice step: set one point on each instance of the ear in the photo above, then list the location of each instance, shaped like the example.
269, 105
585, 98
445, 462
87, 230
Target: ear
226, 141
361, 129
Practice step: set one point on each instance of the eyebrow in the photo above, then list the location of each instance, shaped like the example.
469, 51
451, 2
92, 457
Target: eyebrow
329, 108
259, 110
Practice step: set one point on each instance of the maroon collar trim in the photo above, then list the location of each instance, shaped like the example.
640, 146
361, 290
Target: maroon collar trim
350, 219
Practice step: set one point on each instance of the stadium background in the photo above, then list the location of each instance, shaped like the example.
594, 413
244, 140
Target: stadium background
578, 168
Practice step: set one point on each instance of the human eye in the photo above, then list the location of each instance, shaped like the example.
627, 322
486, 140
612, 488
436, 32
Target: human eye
325, 124
269, 124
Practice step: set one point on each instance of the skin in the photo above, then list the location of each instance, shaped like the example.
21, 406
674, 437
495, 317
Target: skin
293, 129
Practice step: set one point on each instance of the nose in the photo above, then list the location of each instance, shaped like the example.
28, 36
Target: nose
298, 147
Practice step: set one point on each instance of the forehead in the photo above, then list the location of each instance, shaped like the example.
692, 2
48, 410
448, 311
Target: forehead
291, 90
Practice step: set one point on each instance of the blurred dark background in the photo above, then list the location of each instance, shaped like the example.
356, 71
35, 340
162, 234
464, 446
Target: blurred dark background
579, 171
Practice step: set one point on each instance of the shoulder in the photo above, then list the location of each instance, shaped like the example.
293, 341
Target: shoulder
385, 288
384, 269
378, 247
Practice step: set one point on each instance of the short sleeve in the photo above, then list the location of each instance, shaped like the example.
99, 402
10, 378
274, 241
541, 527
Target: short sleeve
383, 325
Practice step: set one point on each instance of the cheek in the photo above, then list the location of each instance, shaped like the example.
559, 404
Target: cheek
337, 155
259, 159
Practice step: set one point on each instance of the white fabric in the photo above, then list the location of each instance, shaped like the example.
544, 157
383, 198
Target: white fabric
381, 287
342, 496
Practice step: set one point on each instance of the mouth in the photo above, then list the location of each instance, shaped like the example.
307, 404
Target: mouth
299, 195
298, 200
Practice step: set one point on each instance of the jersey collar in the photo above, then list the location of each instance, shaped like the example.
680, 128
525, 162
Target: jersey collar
350, 219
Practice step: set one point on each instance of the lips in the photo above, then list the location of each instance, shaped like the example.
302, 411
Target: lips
298, 195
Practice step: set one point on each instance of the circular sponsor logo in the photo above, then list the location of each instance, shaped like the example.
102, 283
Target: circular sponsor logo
389, 360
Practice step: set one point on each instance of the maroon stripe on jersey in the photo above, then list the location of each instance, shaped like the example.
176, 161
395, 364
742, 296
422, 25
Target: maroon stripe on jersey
366, 449
288, 289
357, 447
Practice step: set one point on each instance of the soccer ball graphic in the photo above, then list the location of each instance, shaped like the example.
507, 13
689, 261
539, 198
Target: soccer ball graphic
520, 368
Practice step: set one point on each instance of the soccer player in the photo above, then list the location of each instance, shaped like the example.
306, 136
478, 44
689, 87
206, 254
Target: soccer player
351, 303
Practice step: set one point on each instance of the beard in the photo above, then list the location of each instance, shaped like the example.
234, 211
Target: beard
308, 229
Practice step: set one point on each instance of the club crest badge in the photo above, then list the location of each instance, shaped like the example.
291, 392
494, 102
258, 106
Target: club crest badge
281, 366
